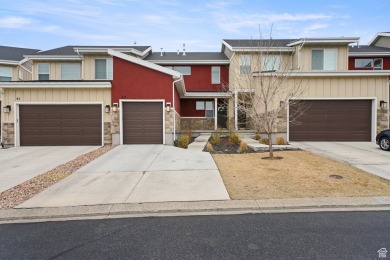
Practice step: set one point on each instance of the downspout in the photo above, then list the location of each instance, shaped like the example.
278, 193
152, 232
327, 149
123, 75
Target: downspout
299, 53
173, 105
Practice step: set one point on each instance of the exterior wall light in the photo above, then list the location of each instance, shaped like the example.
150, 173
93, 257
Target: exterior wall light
7, 109
383, 104
115, 107
107, 109
168, 106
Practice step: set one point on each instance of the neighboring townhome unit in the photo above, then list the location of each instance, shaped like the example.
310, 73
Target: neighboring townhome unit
13, 67
336, 104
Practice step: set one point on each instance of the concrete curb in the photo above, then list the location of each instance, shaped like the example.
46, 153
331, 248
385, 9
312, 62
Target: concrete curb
198, 208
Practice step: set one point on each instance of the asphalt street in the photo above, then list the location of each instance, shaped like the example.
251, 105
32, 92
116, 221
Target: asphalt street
325, 235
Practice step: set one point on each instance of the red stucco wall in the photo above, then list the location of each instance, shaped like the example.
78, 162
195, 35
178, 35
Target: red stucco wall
188, 108
132, 81
200, 78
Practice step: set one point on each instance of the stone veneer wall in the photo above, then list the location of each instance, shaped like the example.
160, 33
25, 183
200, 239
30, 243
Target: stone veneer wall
206, 123
169, 116
8, 134
382, 122
107, 133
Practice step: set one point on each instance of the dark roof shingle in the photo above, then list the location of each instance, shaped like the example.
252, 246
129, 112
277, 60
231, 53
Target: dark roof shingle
259, 43
15, 53
69, 50
367, 48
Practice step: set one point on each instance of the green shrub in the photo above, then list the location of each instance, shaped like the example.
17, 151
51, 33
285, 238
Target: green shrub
233, 138
215, 138
183, 141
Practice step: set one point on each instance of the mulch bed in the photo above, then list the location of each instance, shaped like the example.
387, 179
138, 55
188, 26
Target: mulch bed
28, 189
226, 147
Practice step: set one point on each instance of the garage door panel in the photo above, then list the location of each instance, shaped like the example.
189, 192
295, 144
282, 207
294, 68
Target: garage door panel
60, 125
332, 120
142, 122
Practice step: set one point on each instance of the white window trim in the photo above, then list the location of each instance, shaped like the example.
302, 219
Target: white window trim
219, 75
43, 73
70, 64
108, 68
250, 64
323, 49
8, 76
266, 58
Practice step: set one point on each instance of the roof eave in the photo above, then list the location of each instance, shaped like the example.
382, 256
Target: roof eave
9, 62
56, 84
368, 54
341, 73
342, 40
372, 42
189, 62
53, 57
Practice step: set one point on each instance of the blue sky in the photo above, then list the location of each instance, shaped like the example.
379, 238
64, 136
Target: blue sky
169, 23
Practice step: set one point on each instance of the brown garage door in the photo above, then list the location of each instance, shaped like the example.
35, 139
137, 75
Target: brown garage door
142, 122
60, 125
331, 120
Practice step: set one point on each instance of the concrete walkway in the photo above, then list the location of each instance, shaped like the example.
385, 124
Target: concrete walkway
366, 156
137, 173
197, 208
19, 164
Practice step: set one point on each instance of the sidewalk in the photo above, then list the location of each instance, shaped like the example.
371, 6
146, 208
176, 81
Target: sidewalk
196, 208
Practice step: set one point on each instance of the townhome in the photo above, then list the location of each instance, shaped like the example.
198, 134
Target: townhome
202, 107
374, 56
342, 105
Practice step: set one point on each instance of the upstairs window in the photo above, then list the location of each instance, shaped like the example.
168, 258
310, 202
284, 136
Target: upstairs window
103, 69
70, 71
325, 59
376, 64
245, 64
270, 62
5, 73
185, 70
215, 75
43, 71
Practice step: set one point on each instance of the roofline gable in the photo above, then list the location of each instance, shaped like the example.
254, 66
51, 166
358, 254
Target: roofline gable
144, 63
377, 36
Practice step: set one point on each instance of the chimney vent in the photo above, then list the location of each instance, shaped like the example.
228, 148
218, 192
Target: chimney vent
184, 49
178, 52
161, 54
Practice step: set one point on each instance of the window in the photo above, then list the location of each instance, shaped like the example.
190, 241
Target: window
207, 106
215, 75
70, 71
5, 73
43, 71
185, 70
103, 69
376, 64
199, 105
245, 64
270, 62
324, 59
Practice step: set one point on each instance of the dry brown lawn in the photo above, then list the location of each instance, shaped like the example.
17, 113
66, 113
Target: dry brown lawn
299, 174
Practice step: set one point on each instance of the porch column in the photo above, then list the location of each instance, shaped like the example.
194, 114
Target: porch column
236, 109
215, 113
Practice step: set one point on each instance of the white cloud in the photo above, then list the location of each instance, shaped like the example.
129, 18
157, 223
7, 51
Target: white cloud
309, 30
14, 22
156, 19
234, 23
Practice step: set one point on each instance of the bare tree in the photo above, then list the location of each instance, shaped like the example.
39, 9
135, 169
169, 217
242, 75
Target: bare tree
265, 86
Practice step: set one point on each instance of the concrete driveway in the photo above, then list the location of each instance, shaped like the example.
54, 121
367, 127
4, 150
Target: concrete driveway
19, 164
138, 173
366, 156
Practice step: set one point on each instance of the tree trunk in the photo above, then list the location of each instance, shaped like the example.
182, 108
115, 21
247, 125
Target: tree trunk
271, 151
